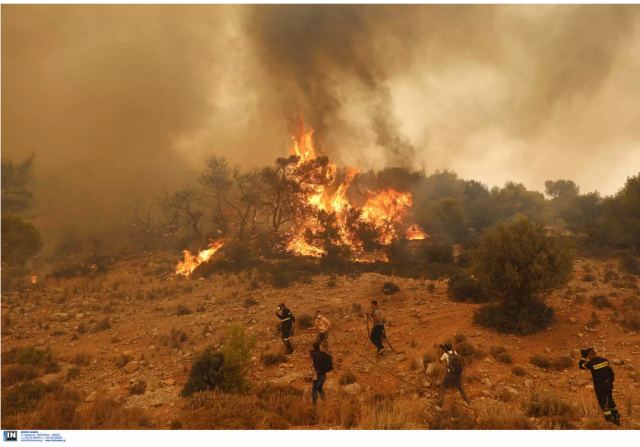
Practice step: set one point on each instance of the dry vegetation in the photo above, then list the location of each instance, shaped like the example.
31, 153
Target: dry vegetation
114, 350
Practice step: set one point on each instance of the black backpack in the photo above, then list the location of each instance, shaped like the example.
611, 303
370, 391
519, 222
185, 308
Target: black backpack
326, 363
455, 363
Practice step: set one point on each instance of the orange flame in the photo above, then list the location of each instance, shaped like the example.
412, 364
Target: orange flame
415, 233
191, 261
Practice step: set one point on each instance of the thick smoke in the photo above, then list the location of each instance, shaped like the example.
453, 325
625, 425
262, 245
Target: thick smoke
122, 102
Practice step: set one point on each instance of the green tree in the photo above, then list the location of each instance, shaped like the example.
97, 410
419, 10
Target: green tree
620, 223
16, 195
21, 241
519, 264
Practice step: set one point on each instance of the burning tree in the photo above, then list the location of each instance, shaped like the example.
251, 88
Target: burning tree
301, 206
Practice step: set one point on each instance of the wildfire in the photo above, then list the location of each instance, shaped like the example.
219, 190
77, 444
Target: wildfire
383, 210
191, 261
415, 233
329, 218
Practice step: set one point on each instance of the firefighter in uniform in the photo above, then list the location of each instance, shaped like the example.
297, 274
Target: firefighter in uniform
603, 377
286, 325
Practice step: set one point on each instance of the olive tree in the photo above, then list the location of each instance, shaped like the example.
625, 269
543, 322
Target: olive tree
519, 264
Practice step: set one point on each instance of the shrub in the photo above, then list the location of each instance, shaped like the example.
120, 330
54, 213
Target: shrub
347, 378
631, 320
101, 325
519, 263
38, 358
525, 320
540, 361
73, 373
137, 387
282, 276
610, 275
305, 321
518, 371
273, 358
236, 353
251, 301
588, 278
20, 241
438, 253
463, 287
546, 404
239, 253
331, 283
601, 301
504, 357
356, 308
206, 373
182, 310
122, 360
630, 264
19, 373
431, 287
389, 288
22, 397
562, 363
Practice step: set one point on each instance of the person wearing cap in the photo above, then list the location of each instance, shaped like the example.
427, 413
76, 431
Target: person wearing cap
603, 378
286, 325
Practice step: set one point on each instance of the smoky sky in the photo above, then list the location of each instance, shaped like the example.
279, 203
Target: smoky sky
122, 102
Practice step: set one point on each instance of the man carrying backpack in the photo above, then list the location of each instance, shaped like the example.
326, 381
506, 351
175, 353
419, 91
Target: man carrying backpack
286, 325
322, 364
453, 378
377, 331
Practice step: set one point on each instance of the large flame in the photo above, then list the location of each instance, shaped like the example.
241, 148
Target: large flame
415, 233
191, 261
383, 210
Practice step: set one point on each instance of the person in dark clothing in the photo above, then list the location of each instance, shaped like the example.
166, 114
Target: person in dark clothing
377, 331
319, 372
286, 325
603, 378
453, 378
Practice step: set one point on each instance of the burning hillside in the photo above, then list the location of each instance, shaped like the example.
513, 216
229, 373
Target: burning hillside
313, 212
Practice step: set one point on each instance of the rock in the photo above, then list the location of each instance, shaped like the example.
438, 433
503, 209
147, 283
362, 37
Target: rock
486, 381
169, 382
91, 397
572, 319
352, 388
131, 367
60, 316
528, 383
431, 368
512, 391
617, 362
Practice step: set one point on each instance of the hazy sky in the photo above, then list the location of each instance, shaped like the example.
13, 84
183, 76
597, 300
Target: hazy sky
123, 101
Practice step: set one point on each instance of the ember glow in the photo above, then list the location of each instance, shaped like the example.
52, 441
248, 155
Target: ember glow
191, 261
415, 233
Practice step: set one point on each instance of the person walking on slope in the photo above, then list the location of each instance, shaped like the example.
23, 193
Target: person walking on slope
603, 378
453, 377
322, 364
286, 325
377, 331
322, 325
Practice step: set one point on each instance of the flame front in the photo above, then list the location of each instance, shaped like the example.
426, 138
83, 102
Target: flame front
191, 261
383, 210
415, 233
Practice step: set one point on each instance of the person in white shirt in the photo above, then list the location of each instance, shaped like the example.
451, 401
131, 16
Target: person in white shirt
322, 325
453, 378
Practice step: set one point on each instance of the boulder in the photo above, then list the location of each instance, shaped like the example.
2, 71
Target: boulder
131, 367
352, 388
91, 397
